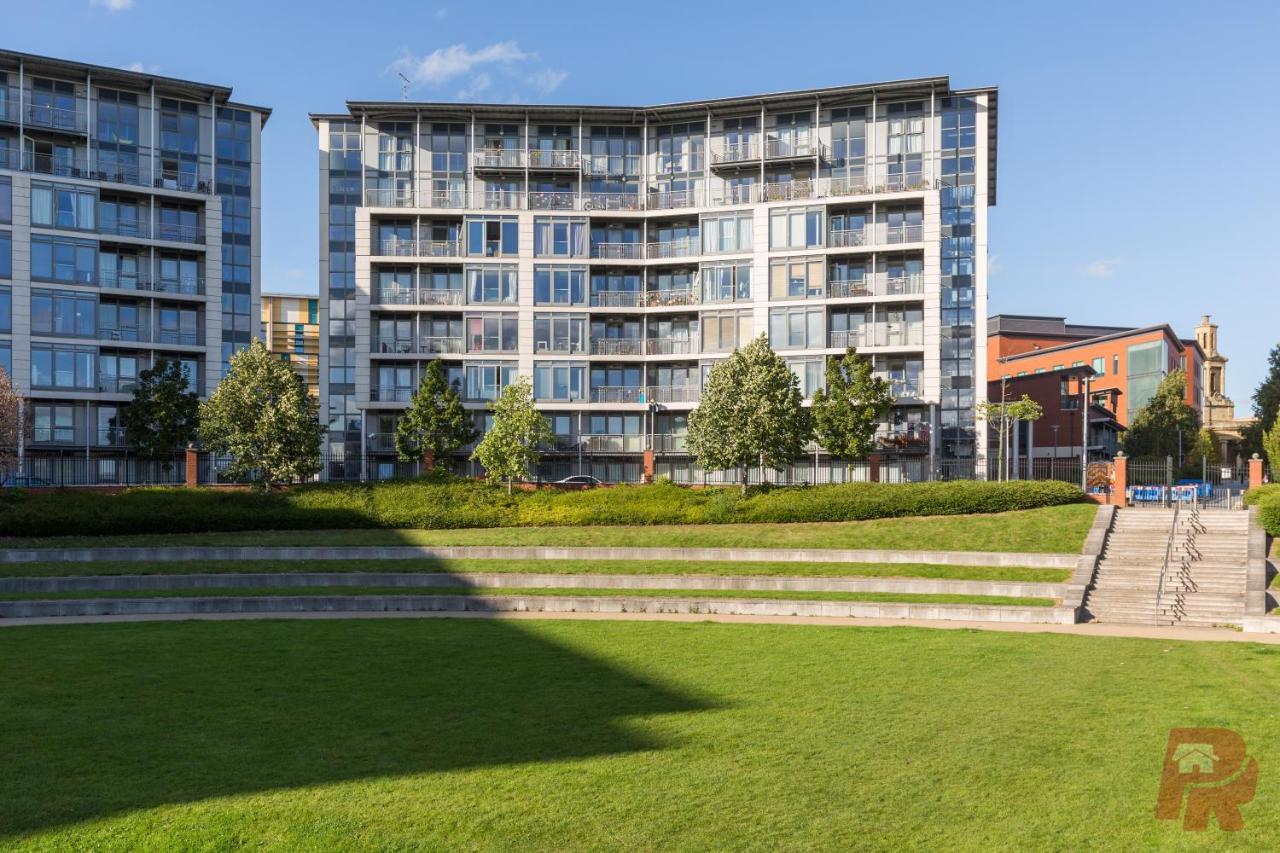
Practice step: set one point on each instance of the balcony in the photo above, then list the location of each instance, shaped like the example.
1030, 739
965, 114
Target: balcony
391, 393
616, 299
904, 388
75, 165
736, 153
670, 443
848, 238
503, 200
125, 334
685, 247
395, 297
790, 190
381, 442
70, 119
117, 384
554, 159
441, 296
617, 251
782, 148
879, 335
441, 346
611, 201
742, 194
400, 248
670, 298
559, 347
175, 233
449, 199
391, 346
388, 197
112, 437
672, 200
877, 285
499, 158
894, 234
617, 394
115, 280
176, 337
485, 343
613, 443
674, 393
903, 436
670, 346
611, 165
558, 200
617, 346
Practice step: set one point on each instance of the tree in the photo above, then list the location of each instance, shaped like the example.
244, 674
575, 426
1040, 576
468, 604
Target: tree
1165, 423
13, 413
751, 413
163, 415
1204, 451
847, 412
1266, 406
262, 417
1004, 415
1271, 447
435, 421
510, 447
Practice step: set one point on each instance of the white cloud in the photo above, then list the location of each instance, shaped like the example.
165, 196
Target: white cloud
475, 87
547, 80
113, 5
446, 63
1101, 268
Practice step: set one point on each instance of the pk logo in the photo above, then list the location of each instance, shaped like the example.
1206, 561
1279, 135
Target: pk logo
1208, 769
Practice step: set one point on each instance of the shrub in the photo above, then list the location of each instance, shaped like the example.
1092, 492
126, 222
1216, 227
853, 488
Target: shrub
451, 503
1261, 493
1268, 504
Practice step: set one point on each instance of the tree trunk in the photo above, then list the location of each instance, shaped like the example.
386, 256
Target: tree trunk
508, 485
742, 473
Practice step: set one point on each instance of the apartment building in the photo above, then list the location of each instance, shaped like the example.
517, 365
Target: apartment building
129, 232
614, 254
291, 331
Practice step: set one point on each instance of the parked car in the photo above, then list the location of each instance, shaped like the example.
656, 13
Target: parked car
15, 481
579, 480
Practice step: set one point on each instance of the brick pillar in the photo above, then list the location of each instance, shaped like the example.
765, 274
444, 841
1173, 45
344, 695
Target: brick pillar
1119, 479
428, 461
873, 467
647, 475
1255, 472
193, 467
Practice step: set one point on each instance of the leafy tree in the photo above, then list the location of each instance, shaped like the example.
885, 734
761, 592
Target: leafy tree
262, 417
1164, 422
1271, 447
510, 447
435, 421
1266, 406
163, 415
847, 412
1004, 415
751, 413
1204, 451
12, 415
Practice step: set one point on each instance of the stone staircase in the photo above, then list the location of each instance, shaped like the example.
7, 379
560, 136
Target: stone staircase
1204, 584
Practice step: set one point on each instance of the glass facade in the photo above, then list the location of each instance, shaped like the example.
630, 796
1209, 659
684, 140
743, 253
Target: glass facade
345, 169
234, 157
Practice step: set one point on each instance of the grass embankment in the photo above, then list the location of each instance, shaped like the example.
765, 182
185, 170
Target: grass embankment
716, 568
346, 591
471, 734
1059, 529
467, 504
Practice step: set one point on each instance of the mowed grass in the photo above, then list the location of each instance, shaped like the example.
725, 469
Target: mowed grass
492, 734
718, 568
777, 595
1058, 529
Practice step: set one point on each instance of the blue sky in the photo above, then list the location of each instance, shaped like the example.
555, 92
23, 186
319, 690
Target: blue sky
1138, 176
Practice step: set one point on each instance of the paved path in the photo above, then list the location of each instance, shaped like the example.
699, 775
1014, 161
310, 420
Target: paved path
1084, 630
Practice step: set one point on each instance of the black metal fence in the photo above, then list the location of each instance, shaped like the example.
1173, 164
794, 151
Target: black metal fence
63, 470
1162, 483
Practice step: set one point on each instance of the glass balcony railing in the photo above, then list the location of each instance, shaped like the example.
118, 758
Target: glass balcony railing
552, 159
670, 346
617, 394
612, 201
440, 345
736, 153
673, 199
670, 443
617, 346
674, 393
557, 200
613, 443
681, 248
617, 251
410, 248
391, 393
668, 298
616, 299
499, 158
877, 285
878, 335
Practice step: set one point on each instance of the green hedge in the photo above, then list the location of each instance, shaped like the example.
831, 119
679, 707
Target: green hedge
1261, 493
419, 504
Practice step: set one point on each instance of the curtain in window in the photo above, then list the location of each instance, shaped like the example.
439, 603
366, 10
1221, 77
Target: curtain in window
42, 205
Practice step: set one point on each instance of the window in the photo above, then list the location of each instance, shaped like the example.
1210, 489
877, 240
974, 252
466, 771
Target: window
722, 332
796, 228
54, 423
797, 328
62, 259
615, 287
6, 254
726, 282
559, 381
810, 372
178, 325
796, 278
559, 285
492, 237
559, 333
560, 238
486, 381
121, 321
6, 199
64, 314
58, 206
491, 285
1146, 368
492, 333
6, 309
726, 234
6, 358
63, 367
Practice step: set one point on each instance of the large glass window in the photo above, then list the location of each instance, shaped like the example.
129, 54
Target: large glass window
492, 237
486, 381
491, 285
63, 367
797, 328
63, 313
560, 381
796, 278
726, 282
560, 238
726, 234
559, 333
6, 199
6, 309
62, 259
58, 206
1146, 368
559, 285
6, 254
492, 333
810, 372
6, 358
796, 228
722, 332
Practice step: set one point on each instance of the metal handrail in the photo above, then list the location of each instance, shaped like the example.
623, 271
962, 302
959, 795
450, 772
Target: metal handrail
1164, 565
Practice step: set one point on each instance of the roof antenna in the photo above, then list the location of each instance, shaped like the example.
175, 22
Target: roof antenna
404, 87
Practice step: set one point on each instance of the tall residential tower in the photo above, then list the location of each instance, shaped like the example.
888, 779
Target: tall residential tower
129, 232
613, 254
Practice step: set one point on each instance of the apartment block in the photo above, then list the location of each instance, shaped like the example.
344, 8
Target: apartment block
291, 331
129, 233
614, 254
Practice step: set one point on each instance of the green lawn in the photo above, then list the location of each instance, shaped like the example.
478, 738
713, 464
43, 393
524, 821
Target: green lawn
493, 734
780, 595
1058, 529
562, 567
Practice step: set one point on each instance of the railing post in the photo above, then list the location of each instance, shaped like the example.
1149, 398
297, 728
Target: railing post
873, 467
193, 467
1120, 480
1255, 471
647, 473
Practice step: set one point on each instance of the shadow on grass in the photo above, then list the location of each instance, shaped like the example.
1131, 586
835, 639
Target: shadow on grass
96, 720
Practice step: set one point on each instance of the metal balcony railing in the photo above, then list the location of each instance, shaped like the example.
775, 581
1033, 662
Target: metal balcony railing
117, 384
75, 165
736, 153
381, 442
410, 248
617, 394
558, 346
557, 200
742, 194
391, 346
878, 335
112, 437
175, 233
440, 297
391, 393
904, 388
395, 297
499, 158
611, 201
667, 298
185, 285
620, 165
503, 200
672, 199
617, 346
903, 233
670, 443
776, 148
553, 159
617, 251
848, 185
451, 199
789, 190
613, 443
482, 343
388, 197
127, 334
674, 393
670, 346
616, 299
139, 228
440, 346
682, 248
59, 118
179, 338
847, 238
116, 280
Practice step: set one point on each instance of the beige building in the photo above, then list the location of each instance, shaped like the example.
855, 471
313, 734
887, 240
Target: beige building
1219, 412
291, 330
